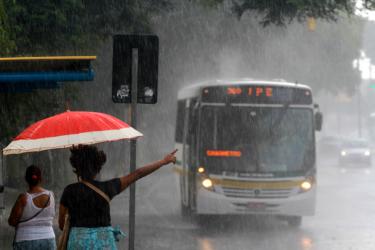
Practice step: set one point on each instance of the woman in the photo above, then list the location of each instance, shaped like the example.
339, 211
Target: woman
32, 215
89, 211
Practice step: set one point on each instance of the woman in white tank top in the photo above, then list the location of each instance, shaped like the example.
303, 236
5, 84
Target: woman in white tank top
32, 215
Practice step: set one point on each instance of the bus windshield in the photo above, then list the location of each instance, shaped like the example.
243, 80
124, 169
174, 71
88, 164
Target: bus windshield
263, 140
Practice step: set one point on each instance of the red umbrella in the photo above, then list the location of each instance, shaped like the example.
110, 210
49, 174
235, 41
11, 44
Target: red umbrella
68, 129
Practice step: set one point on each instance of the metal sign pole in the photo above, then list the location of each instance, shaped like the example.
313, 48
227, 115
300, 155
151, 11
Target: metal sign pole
143, 50
133, 146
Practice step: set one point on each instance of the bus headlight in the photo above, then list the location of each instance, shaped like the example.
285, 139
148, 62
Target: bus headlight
343, 153
207, 183
367, 153
306, 185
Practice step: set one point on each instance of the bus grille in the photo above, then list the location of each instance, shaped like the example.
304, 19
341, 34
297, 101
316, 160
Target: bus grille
257, 193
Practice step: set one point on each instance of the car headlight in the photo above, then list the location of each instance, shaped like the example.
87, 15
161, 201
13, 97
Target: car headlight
367, 153
201, 170
343, 153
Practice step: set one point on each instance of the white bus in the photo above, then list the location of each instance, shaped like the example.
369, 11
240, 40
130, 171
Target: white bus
371, 128
247, 147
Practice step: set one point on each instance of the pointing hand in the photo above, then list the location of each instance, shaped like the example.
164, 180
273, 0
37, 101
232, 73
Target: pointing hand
170, 157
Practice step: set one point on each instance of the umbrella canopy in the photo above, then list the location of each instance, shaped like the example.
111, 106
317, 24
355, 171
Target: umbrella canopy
68, 129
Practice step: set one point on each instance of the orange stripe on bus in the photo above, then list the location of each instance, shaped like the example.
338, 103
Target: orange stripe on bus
223, 153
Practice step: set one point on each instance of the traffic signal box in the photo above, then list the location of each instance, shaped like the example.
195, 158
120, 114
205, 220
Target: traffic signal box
147, 78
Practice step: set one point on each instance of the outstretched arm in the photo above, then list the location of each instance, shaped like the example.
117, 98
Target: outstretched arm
146, 170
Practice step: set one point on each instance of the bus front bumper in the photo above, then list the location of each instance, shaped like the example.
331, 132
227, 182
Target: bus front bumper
302, 204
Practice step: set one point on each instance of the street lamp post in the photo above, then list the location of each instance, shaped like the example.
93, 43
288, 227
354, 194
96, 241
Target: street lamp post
359, 114
363, 64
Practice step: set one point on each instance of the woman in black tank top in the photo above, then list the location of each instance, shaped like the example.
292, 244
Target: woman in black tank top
89, 211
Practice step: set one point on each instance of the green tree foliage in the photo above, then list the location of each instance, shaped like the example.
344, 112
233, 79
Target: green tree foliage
280, 12
49, 26
6, 44
77, 26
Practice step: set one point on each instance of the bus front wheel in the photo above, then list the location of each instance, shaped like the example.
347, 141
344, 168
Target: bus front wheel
294, 221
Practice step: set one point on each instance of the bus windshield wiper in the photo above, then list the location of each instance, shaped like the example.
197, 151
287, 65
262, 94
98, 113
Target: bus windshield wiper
281, 115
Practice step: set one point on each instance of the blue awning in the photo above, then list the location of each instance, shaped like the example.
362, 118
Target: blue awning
12, 77
23, 74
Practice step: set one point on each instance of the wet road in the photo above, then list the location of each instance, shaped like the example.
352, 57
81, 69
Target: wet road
345, 218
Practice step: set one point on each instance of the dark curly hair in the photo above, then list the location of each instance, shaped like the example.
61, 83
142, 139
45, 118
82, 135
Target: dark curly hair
87, 161
33, 175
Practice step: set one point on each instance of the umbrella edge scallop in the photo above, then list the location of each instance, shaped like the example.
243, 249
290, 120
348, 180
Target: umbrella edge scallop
66, 141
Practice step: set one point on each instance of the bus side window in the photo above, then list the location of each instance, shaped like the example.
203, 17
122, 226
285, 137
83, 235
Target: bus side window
180, 121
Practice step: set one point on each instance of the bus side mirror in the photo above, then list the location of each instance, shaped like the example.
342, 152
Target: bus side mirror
318, 121
1, 188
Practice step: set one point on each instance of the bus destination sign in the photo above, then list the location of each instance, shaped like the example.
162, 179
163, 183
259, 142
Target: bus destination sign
257, 94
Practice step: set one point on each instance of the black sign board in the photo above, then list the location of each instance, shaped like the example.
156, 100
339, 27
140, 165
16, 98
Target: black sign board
148, 54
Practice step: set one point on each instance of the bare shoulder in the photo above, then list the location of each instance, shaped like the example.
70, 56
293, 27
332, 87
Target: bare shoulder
22, 199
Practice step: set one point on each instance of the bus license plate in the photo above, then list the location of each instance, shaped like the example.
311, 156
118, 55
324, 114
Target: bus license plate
256, 205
